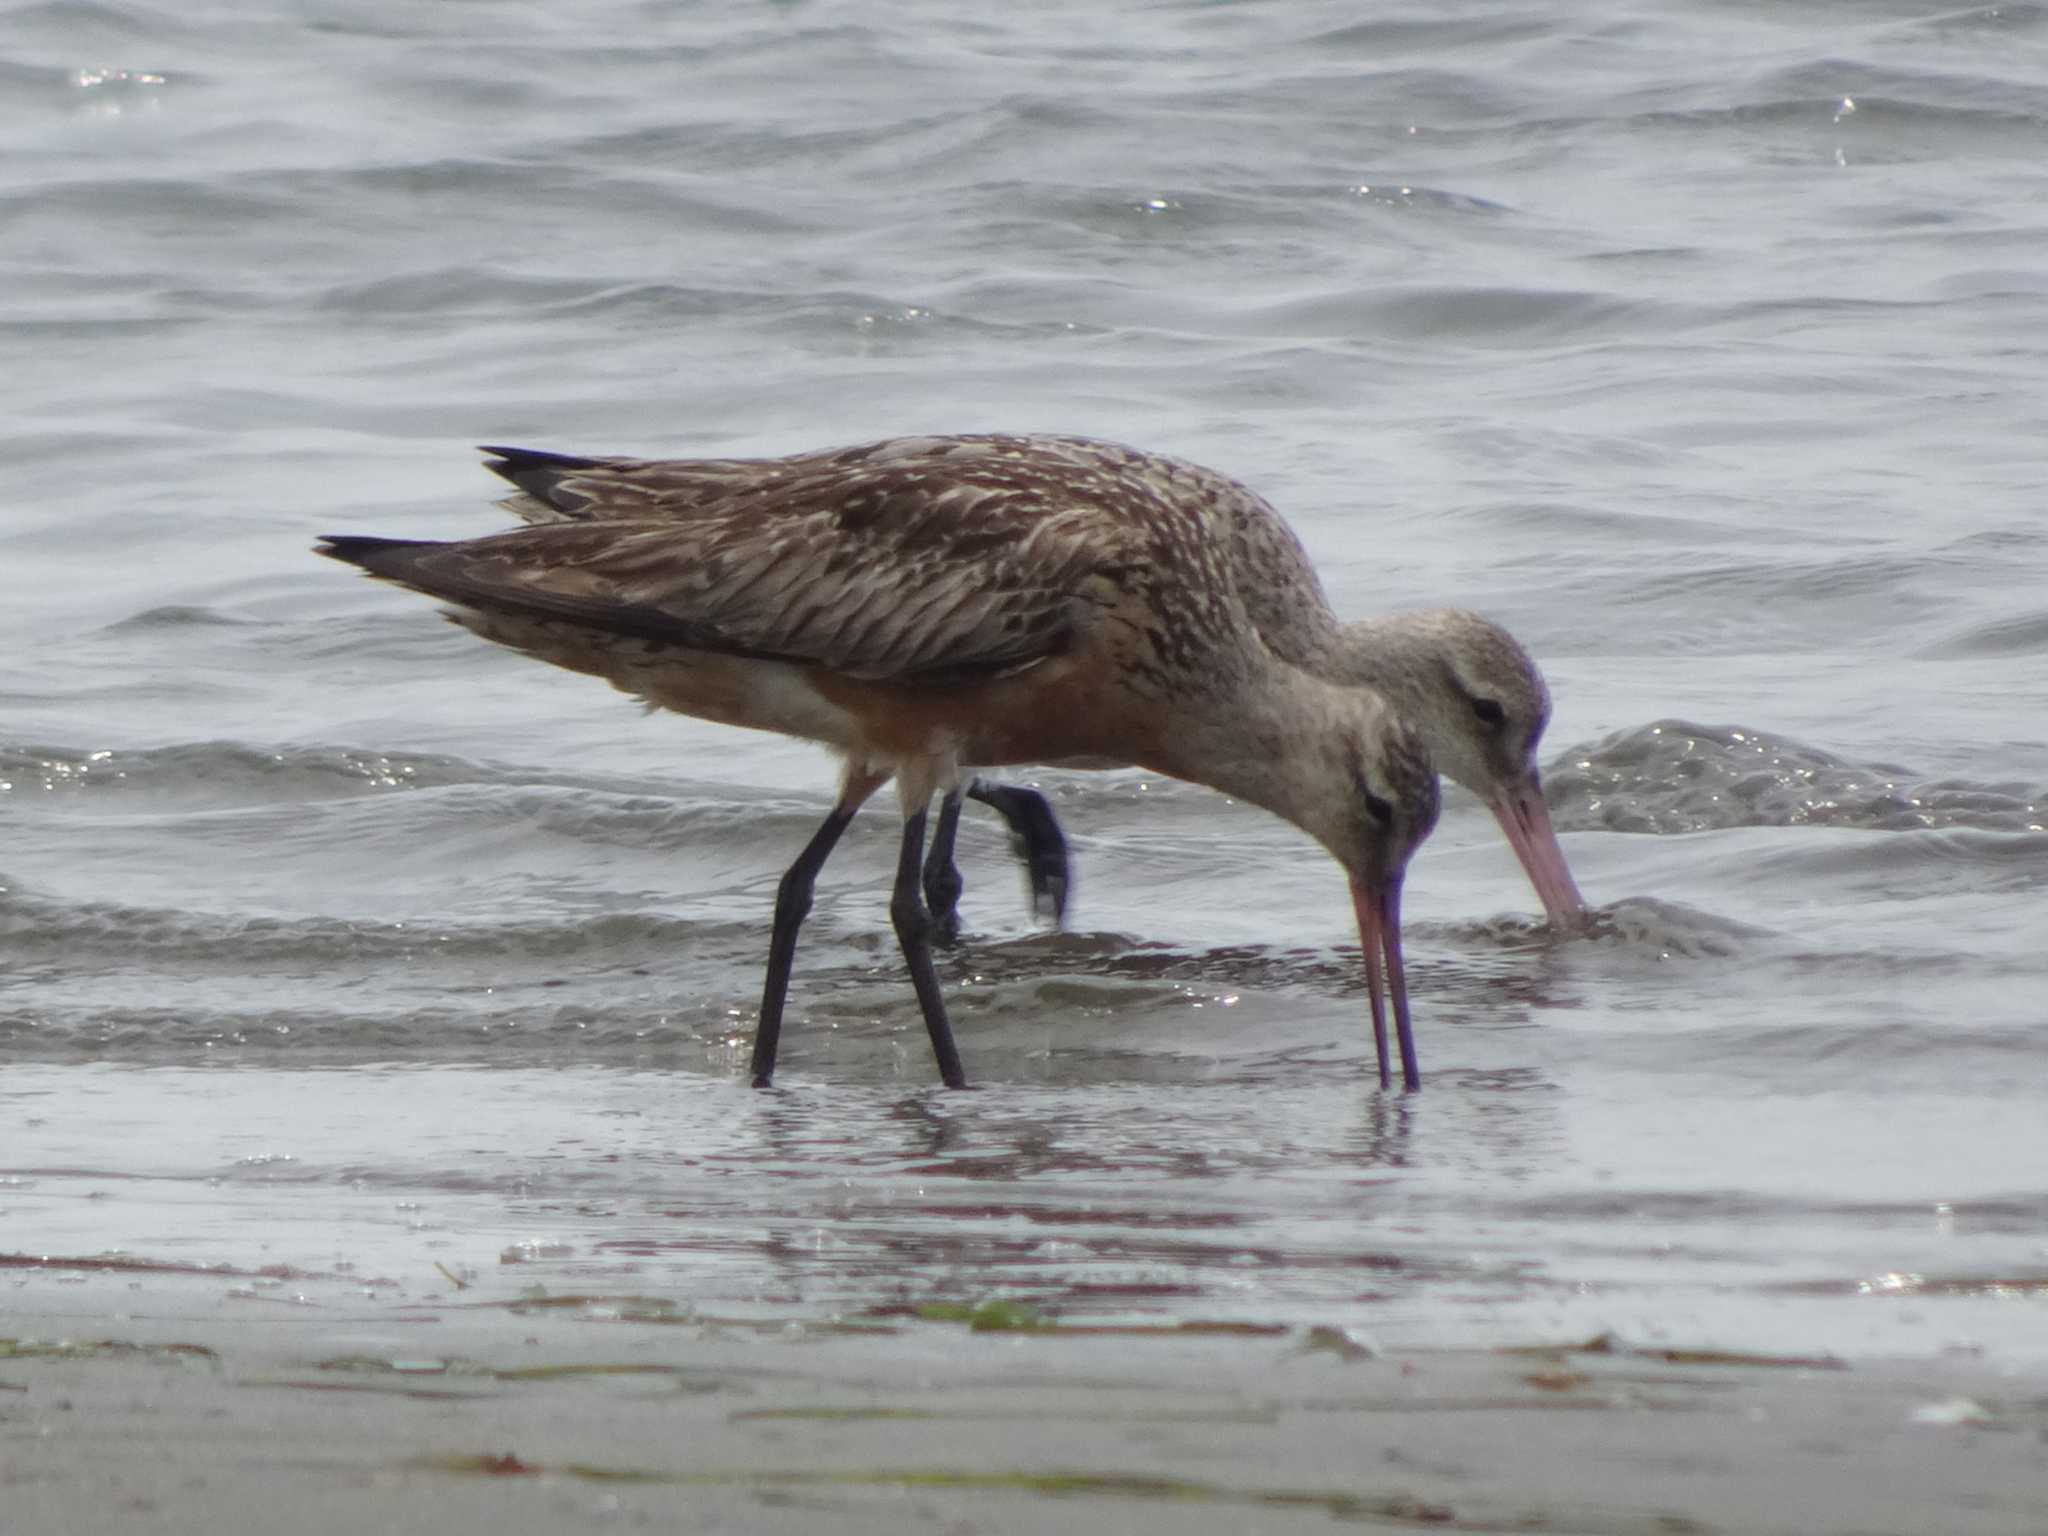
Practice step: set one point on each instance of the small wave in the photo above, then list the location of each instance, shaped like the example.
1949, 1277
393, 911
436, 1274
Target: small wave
905, 146
1152, 966
235, 773
1677, 776
35, 928
71, 22
1990, 862
462, 186
528, 811
149, 204
48, 330
1717, 607
176, 616
1423, 34
491, 291
1867, 113
222, 771
453, 291
1395, 192
2022, 635
1663, 928
1494, 318
1925, 95
836, 313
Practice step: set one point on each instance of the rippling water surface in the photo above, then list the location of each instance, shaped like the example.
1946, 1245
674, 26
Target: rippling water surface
1696, 343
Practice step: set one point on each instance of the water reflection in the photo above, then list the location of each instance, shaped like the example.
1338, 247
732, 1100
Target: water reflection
1273, 1191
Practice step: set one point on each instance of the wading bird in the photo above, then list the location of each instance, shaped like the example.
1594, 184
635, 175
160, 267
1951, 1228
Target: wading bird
930, 606
1464, 683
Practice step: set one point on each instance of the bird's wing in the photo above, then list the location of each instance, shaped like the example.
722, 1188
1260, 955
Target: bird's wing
885, 574
561, 487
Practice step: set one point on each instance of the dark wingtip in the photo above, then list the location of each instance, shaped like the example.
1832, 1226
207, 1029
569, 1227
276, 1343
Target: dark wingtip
511, 463
362, 550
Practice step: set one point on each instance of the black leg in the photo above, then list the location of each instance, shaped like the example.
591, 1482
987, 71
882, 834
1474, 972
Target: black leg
792, 904
914, 933
1036, 838
942, 882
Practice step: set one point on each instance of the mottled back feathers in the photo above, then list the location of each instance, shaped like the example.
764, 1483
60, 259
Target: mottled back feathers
913, 559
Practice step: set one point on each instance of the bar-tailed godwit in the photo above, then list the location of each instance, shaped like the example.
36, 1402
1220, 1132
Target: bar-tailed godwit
1466, 684
928, 606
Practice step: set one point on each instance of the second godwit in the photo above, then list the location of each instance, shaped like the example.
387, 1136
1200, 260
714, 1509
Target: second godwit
1465, 684
927, 606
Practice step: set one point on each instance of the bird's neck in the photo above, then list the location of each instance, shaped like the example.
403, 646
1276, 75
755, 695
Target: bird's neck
1278, 739
1399, 655
1391, 652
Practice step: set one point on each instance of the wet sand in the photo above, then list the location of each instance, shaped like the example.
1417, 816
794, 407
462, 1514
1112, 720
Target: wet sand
134, 1397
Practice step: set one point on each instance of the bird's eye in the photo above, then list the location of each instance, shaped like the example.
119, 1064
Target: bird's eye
1381, 811
1489, 711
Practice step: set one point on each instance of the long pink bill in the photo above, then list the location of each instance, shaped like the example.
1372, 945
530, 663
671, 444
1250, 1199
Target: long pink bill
1379, 935
1525, 819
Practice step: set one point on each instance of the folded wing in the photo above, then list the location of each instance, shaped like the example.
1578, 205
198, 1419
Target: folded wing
891, 578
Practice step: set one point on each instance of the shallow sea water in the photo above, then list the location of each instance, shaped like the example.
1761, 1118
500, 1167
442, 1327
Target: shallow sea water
1694, 343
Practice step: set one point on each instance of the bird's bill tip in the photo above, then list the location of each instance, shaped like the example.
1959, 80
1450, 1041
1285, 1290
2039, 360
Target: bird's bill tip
1378, 906
1523, 816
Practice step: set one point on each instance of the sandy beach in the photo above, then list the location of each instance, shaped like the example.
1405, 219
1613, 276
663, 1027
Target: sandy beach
135, 1398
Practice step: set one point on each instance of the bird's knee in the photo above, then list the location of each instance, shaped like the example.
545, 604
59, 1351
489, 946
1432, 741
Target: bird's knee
942, 888
912, 920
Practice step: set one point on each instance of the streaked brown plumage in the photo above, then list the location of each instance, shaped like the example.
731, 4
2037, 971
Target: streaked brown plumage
929, 606
1464, 683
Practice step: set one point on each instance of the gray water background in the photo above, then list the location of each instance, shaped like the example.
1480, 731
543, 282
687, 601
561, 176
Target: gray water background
1700, 344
